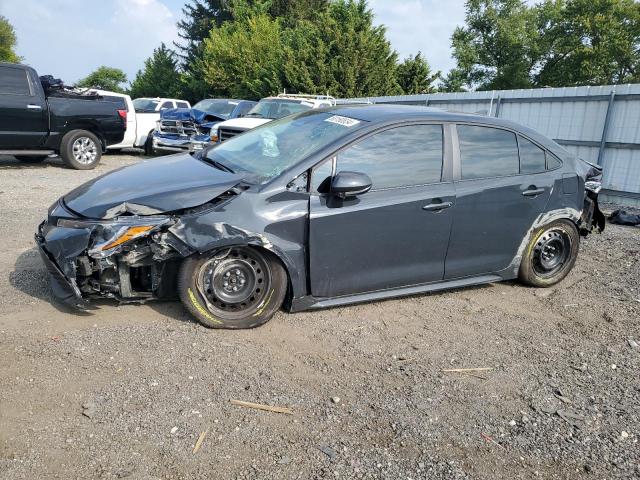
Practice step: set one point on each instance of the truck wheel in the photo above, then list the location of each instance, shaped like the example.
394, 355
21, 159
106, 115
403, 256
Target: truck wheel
31, 158
148, 144
550, 255
237, 287
80, 149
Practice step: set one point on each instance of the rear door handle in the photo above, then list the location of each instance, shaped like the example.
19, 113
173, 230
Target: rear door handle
436, 207
31, 106
533, 192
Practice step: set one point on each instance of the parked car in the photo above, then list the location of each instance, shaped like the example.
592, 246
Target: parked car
184, 129
142, 117
35, 124
268, 109
326, 208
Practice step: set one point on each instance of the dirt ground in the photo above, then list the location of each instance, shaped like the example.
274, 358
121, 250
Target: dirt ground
127, 391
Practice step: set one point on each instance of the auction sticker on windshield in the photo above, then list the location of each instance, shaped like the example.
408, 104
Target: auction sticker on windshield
345, 121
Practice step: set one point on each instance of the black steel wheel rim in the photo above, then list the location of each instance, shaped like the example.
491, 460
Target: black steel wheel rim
551, 252
234, 282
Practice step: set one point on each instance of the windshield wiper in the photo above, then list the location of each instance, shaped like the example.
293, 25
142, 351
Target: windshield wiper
254, 114
218, 165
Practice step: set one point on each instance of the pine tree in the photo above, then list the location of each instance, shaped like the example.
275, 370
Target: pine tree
414, 76
160, 76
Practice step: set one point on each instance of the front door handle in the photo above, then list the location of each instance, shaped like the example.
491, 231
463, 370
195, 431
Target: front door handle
31, 106
533, 192
436, 207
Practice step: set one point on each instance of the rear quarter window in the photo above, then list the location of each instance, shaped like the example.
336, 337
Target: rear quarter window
14, 81
532, 157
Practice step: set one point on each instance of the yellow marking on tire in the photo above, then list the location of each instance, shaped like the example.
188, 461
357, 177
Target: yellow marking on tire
264, 304
201, 309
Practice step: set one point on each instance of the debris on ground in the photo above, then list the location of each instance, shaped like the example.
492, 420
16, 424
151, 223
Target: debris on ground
199, 442
260, 406
622, 217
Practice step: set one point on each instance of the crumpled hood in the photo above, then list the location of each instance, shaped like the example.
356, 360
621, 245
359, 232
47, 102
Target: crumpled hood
151, 187
198, 116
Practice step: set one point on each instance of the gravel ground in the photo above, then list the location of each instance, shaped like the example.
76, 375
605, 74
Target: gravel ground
127, 391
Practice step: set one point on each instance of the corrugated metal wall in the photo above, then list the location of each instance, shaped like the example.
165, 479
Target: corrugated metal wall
600, 124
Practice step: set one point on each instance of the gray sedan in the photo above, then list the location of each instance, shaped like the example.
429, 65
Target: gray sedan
325, 208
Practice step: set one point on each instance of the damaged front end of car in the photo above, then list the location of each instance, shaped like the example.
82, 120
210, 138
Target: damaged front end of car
109, 238
592, 218
132, 258
182, 129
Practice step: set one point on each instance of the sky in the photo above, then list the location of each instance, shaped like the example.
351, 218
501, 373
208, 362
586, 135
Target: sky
70, 38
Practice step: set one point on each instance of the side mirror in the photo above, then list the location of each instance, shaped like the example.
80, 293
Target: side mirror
350, 184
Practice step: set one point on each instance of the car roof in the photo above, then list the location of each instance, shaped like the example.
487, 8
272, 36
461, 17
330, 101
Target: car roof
224, 100
386, 113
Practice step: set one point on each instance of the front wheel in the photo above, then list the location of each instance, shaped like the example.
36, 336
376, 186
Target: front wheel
80, 149
550, 254
237, 287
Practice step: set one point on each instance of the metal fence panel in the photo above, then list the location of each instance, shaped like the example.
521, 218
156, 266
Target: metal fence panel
600, 124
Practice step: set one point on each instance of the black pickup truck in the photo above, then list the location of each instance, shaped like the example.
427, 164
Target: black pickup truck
35, 123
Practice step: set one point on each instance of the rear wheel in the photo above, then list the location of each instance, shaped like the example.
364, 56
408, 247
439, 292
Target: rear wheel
148, 144
237, 287
80, 149
550, 255
31, 158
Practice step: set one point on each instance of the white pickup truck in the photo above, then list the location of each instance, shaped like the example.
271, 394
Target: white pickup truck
268, 109
147, 117
142, 117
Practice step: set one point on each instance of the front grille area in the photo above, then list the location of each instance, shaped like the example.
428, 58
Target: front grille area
226, 133
178, 127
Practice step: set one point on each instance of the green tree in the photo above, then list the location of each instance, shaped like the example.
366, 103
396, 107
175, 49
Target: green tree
498, 47
454, 81
243, 58
340, 52
415, 76
199, 17
105, 78
160, 77
7, 42
588, 42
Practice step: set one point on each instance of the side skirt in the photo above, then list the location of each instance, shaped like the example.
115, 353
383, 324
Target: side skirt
309, 302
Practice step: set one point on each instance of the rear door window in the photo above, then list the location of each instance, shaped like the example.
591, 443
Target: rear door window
182, 104
487, 152
14, 81
532, 157
398, 157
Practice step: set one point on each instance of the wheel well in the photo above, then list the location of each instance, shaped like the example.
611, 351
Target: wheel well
89, 128
289, 295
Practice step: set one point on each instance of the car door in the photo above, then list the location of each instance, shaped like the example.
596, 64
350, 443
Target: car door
498, 197
24, 120
397, 233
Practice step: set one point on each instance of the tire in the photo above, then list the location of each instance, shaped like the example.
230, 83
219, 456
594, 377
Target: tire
81, 150
233, 288
550, 254
31, 158
148, 145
